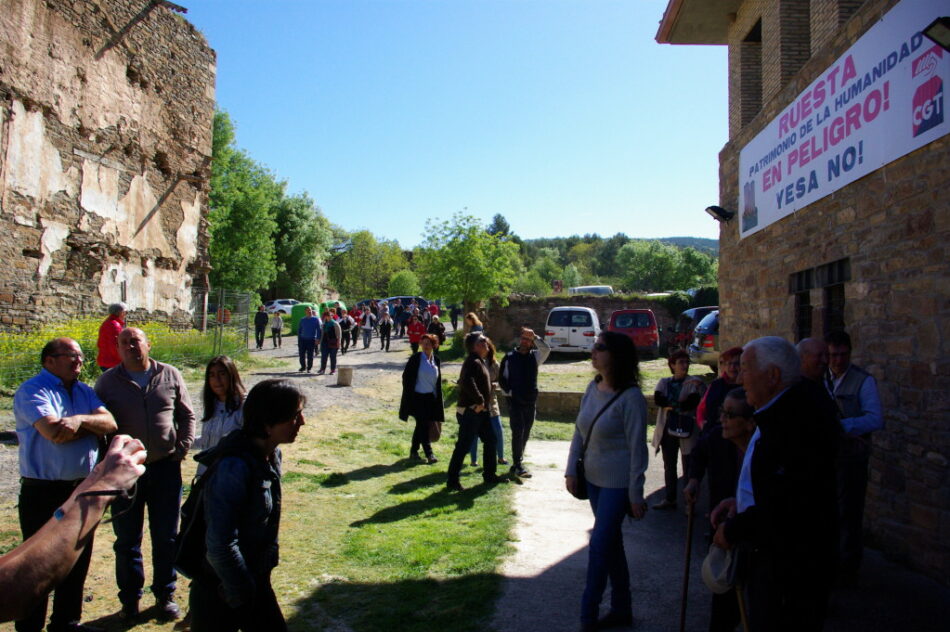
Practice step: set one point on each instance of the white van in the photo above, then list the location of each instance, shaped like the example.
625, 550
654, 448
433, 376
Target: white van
571, 329
597, 290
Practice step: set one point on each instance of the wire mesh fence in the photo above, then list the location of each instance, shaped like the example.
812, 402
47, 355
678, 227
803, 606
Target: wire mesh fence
218, 322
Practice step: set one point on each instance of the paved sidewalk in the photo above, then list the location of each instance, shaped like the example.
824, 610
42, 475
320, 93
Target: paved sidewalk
545, 575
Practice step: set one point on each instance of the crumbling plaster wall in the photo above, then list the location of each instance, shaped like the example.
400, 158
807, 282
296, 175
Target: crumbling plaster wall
106, 111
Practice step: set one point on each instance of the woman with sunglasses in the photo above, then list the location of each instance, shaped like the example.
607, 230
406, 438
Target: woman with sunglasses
612, 421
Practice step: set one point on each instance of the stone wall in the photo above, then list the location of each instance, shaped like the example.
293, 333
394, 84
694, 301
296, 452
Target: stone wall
106, 112
503, 323
893, 226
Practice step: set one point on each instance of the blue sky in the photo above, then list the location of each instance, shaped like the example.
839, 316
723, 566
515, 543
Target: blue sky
565, 116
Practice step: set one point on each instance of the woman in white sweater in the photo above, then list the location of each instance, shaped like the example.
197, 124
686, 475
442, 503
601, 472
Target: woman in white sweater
613, 415
223, 399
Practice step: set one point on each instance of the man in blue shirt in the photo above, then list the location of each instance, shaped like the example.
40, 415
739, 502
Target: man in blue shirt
308, 332
855, 392
59, 421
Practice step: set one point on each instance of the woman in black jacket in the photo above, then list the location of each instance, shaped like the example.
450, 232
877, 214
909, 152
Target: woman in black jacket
422, 395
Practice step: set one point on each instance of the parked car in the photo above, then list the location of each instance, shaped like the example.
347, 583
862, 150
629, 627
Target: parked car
640, 326
705, 346
571, 329
282, 305
598, 290
681, 333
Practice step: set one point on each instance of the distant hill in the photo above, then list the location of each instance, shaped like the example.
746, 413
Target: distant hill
709, 246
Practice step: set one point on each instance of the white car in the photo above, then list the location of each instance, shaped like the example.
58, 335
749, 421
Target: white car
571, 329
282, 305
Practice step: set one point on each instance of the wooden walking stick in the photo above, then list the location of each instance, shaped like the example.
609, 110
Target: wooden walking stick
689, 552
740, 595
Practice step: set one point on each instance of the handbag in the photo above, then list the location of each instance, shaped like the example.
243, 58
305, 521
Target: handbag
580, 485
435, 431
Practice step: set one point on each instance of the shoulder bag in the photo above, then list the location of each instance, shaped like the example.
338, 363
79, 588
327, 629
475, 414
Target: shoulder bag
580, 485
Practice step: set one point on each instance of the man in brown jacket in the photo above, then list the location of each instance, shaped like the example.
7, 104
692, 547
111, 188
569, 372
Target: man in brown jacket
149, 402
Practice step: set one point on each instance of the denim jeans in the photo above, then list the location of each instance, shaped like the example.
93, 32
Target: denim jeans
367, 336
606, 557
305, 349
159, 489
471, 425
499, 440
327, 352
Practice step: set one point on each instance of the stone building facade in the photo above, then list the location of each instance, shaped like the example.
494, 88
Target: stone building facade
871, 257
106, 111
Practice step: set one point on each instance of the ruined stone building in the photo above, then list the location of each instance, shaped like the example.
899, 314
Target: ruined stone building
106, 110
838, 169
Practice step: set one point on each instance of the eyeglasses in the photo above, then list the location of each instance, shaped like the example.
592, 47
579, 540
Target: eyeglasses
725, 414
599, 346
74, 356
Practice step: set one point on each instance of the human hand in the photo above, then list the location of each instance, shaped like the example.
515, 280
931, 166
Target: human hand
720, 540
723, 511
479, 408
570, 483
638, 510
122, 465
691, 491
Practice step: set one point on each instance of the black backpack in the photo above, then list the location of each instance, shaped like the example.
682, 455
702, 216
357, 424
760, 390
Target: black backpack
190, 544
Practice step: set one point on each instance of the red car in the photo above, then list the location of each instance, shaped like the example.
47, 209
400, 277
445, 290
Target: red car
640, 325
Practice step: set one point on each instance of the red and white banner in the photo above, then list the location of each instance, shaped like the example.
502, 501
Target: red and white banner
882, 99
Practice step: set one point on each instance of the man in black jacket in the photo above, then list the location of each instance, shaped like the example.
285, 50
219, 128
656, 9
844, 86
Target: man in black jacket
790, 520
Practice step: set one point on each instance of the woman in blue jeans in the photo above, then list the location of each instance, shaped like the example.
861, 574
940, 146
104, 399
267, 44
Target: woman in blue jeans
494, 411
613, 415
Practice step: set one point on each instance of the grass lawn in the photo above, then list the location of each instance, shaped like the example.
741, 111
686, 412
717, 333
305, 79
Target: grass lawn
367, 538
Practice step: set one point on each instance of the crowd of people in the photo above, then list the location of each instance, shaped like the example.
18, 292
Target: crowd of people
780, 430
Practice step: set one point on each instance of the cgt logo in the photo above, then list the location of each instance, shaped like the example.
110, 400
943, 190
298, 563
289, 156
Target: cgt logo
928, 106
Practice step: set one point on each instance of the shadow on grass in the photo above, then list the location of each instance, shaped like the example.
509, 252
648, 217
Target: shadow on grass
365, 473
460, 604
438, 500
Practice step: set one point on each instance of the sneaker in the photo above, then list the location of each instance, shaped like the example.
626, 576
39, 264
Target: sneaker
168, 609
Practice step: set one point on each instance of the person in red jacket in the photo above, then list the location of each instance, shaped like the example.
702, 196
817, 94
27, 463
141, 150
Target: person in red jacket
108, 343
415, 332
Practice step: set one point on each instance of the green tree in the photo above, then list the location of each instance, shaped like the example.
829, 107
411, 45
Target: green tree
499, 226
241, 217
303, 240
649, 266
572, 276
404, 283
462, 263
531, 283
361, 266
696, 268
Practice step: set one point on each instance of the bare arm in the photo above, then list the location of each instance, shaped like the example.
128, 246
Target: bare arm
29, 572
